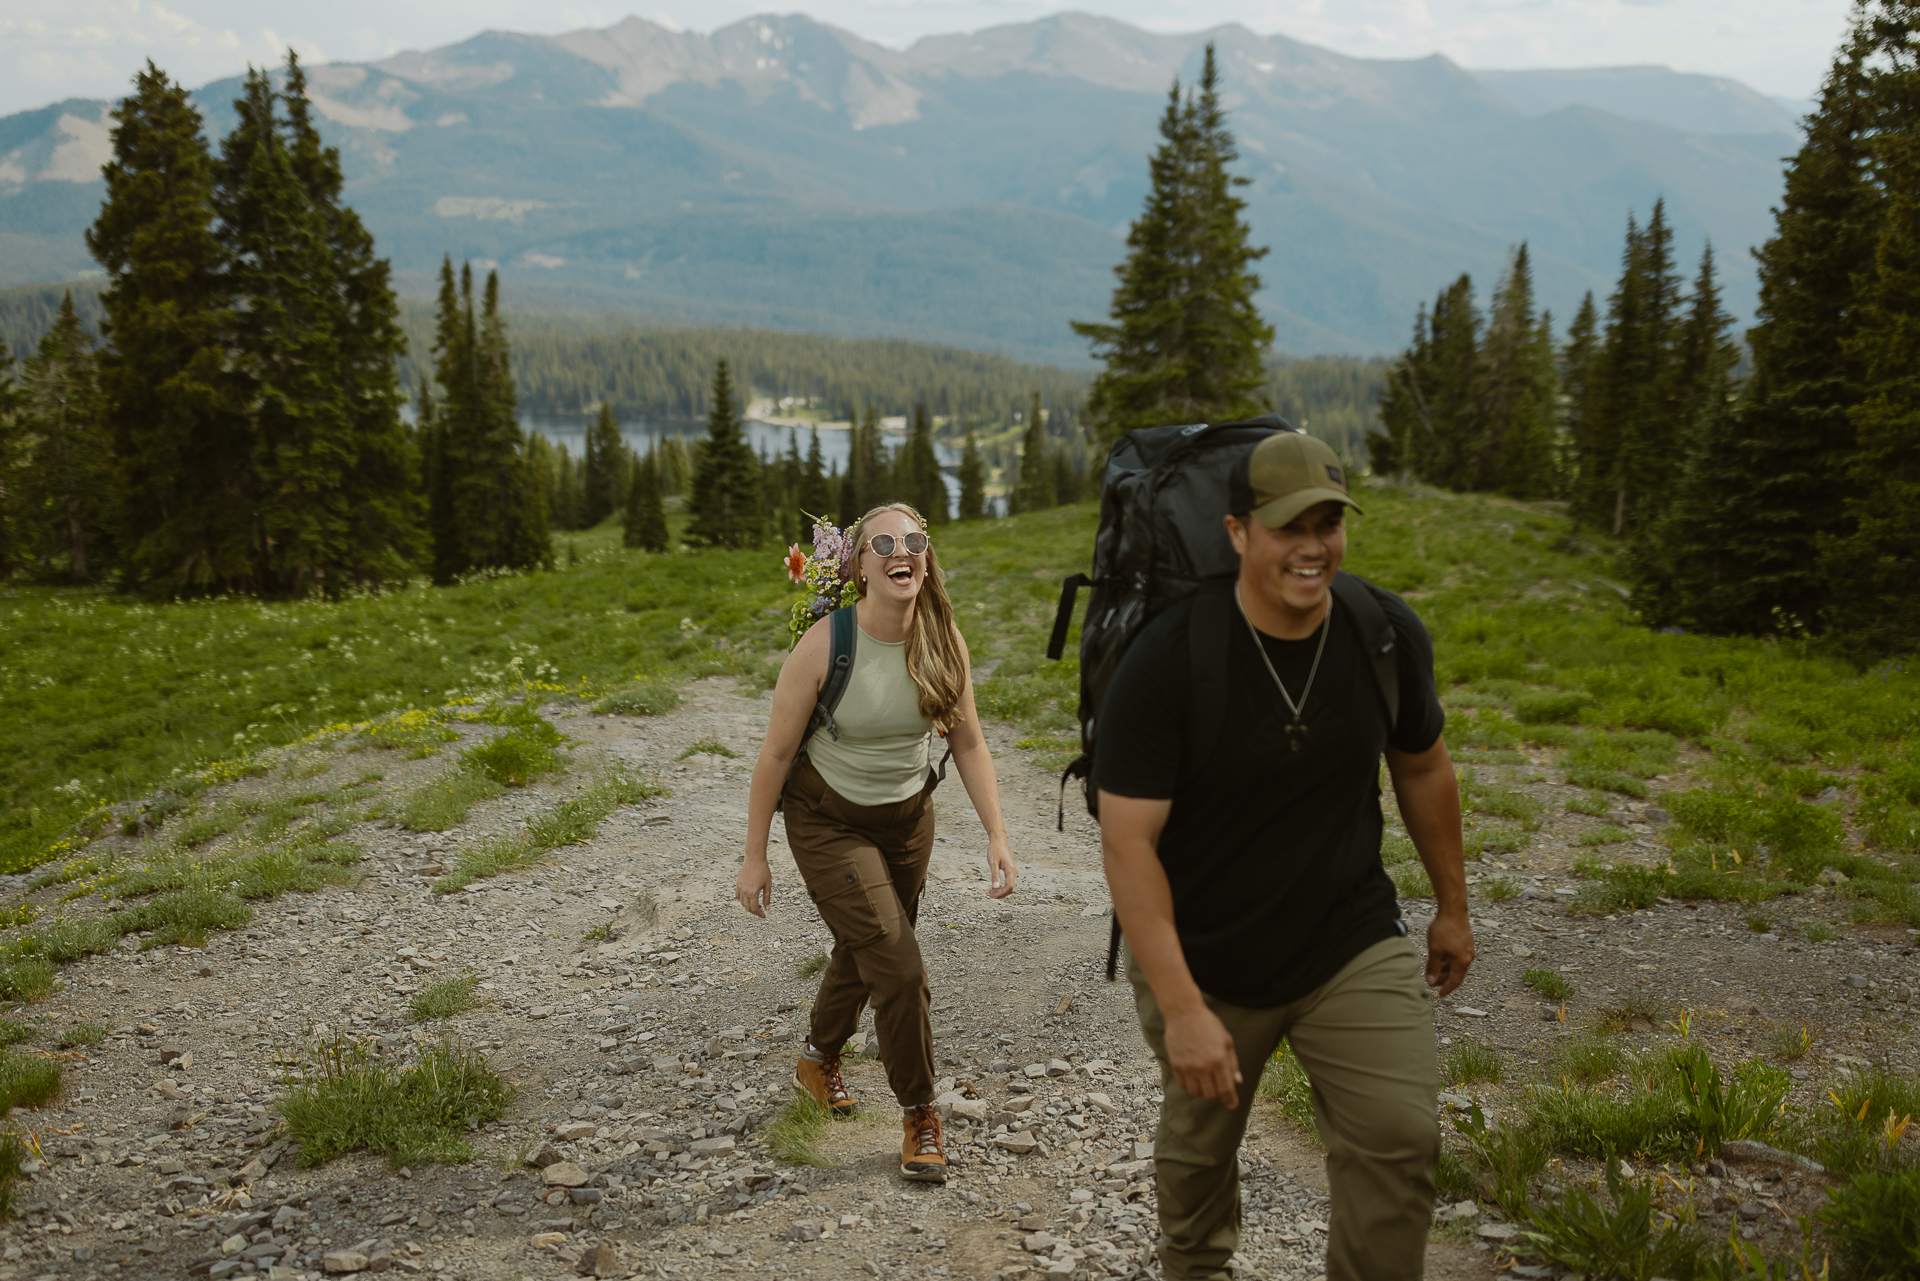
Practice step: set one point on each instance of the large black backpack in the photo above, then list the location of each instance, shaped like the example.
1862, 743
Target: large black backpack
1160, 541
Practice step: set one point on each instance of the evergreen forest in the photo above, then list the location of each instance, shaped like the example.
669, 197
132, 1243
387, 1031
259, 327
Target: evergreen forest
1770, 487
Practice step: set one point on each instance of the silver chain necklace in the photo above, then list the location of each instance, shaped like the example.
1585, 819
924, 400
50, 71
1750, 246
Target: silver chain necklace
1297, 731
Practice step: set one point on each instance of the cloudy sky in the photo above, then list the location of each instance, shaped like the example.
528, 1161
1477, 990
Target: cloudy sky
54, 49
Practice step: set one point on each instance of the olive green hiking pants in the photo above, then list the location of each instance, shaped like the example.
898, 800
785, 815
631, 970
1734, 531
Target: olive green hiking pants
1365, 1038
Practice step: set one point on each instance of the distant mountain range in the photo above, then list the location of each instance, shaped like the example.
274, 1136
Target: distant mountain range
972, 189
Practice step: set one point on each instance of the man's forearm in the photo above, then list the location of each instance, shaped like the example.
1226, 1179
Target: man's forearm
1143, 901
1430, 808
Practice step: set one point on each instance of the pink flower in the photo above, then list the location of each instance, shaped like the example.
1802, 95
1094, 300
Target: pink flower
796, 563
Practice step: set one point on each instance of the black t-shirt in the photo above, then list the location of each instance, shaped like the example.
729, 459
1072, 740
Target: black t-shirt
1273, 857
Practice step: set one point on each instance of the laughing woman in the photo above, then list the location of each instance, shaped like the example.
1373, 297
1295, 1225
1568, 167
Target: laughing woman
859, 813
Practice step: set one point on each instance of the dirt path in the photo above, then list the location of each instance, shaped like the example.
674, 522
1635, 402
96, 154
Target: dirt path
653, 1058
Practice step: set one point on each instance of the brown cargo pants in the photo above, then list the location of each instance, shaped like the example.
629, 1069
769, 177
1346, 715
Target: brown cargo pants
864, 866
1365, 1037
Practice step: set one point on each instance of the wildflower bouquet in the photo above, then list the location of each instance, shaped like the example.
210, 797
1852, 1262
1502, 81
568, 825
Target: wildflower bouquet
826, 574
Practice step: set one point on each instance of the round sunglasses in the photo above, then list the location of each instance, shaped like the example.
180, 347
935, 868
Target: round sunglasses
913, 544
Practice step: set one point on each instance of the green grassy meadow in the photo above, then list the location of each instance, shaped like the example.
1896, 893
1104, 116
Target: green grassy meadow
103, 699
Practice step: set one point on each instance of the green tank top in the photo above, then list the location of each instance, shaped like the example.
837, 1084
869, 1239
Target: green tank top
880, 757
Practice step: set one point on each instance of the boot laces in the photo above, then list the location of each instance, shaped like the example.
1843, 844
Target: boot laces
830, 1077
926, 1131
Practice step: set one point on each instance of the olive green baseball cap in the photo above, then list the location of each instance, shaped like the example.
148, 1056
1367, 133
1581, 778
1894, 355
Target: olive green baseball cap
1284, 475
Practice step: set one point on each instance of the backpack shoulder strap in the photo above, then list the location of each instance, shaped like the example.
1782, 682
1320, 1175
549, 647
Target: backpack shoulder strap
1377, 637
844, 635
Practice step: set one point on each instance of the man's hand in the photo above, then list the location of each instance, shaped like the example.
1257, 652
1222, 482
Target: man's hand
1449, 951
754, 887
1200, 1052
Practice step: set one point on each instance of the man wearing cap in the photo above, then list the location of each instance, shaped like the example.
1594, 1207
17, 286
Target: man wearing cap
1247, 879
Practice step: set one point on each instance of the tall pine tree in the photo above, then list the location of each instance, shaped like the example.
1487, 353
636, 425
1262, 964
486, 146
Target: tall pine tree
488, 503
973, 479
1878, 556
724, 508
925, 488
183, 448
1035, 490
68, 506
316, 345
1515, 453
645, 515
816, 493
1794, 445
1632, 424
13, 467
603, 484
1680, 557
1185, 341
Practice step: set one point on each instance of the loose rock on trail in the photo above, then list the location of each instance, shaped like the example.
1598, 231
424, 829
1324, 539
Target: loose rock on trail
650, 1028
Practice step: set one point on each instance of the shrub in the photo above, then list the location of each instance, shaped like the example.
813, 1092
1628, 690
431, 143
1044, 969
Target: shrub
350, 1098
1748, 1108
1500, 889
1502, 802
183, 916
443, 803
1589, 1059
448, 998
1590, 805
1284, 1083
796, 1128
708, 746
642, 698
1412, 881
12, 1033
1606, 836
13, 1155
1641, 755
27, 1081
1645, 1117
1548, 983
1875, 1219
1623, 887
514, 759
1601, 780
1625, 1239
1511, 1157
1787, 1043
82, 1034
814, 964
1549, 708
1470, 1061
27, 980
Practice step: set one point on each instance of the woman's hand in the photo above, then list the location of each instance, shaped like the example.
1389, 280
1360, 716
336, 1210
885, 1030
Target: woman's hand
1002, 875
754, 888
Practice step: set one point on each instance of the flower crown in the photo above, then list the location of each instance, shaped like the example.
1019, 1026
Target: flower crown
826, 574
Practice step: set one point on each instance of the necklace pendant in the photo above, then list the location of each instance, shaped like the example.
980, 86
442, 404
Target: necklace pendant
1296, 737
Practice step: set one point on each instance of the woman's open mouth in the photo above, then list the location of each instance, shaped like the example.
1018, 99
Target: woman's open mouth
901, 573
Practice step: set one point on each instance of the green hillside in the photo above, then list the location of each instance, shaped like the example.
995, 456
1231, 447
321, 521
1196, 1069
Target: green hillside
103, 700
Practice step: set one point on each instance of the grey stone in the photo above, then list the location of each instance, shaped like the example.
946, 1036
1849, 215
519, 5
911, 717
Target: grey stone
1856, 980
803, 1230
337, 1261
1754, 1150
1497, 1231
1034, 1071
564, 1174
600, 1261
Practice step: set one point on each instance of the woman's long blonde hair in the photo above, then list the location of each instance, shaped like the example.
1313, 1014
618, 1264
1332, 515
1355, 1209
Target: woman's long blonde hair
934, 660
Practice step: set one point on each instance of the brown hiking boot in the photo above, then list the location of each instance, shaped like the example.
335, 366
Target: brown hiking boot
822, 1080
921, 1159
